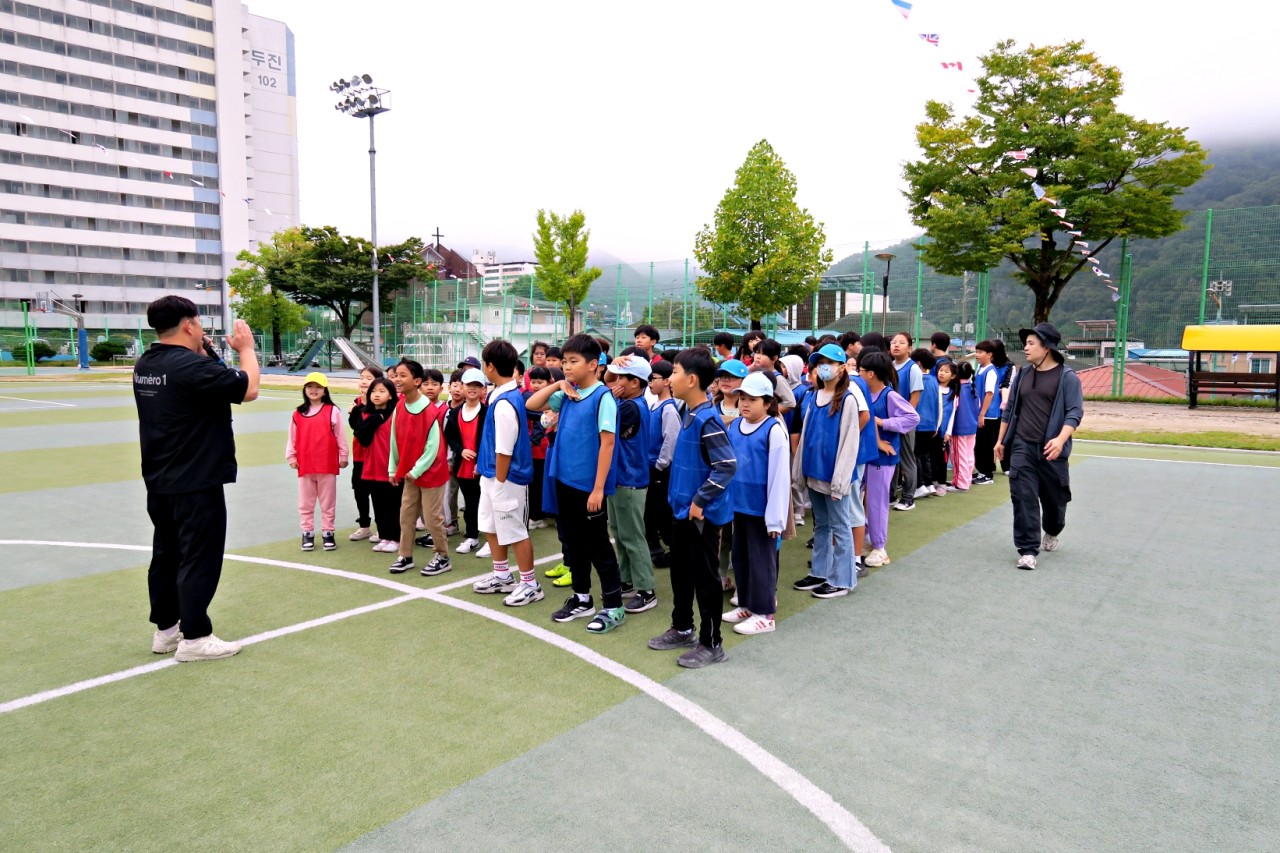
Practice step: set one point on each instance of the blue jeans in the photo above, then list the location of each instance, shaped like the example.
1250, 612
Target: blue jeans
833, 519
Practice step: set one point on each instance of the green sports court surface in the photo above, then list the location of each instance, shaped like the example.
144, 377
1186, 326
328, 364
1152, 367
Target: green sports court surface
1122, 697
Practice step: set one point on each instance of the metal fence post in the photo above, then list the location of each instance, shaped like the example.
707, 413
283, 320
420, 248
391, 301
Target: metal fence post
1204, 272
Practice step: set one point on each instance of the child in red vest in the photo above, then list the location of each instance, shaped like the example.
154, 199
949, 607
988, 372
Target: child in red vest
463, 430
417, 460
359, 485
317, 448
373, 433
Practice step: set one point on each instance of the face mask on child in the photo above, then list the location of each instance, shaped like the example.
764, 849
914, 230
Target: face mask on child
826, 372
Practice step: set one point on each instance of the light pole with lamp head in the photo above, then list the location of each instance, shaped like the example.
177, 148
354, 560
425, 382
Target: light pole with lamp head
887, 257
360, 98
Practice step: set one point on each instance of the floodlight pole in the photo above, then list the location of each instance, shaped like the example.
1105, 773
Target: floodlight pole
373, 237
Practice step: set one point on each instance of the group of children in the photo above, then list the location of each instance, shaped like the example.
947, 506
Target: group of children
696, 461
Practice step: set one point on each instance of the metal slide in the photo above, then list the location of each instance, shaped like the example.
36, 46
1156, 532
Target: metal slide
307, 357
355, 356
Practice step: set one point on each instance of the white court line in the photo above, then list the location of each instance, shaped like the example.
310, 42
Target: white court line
44, 403
1182, 461
839, 820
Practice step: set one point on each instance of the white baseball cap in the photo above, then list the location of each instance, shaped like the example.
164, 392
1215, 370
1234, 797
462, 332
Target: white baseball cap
755, 385
631, 365
472, 375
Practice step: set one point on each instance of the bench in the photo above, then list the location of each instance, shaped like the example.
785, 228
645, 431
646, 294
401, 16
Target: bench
1233, 384
1234, 339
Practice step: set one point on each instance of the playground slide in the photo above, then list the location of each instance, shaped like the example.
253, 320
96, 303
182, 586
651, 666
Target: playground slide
307, 357
355, 356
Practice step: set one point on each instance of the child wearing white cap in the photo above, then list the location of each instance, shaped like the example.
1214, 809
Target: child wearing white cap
317, 449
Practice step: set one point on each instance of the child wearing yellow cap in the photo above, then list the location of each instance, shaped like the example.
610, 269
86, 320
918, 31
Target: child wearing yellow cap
317, 449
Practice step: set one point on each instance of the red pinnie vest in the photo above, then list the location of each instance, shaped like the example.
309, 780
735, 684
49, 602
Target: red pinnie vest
314, 442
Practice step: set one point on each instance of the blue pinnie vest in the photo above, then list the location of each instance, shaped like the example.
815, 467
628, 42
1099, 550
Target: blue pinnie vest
750, 487
948, 406
904, 380
690, 469
880, 409
929, 410
821, 437
867, 449
521, 470
979, 382
655, 429
578, 450
967, 403
631, 456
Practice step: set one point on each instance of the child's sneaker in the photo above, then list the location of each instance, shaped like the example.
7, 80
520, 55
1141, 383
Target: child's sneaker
451, 530
606, 620
643, 600
673, 639
419, 524
537, 524
327, 538
439, 565
425, 541
360, 534
574, 609
524, 593
700, 656
808, 582
560, 569
205, 648
736, 615
308, 541
940, 491
484, 551
402, 564
755, 625
878, 557
468, 545
491, 583
564, 580
830, 591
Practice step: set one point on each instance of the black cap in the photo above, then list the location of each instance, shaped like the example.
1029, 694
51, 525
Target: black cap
1048, 335
469, 361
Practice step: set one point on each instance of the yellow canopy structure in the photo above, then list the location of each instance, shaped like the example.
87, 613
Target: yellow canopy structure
1231, 338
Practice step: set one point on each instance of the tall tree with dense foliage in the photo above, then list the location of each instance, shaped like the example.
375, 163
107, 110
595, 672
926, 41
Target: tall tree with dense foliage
1116, 175
764, 253
257, 295
560, 248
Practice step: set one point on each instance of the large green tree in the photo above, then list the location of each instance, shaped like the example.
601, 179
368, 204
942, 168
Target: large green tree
764, 253
1116, 175
560, 248
256, 291
674, 313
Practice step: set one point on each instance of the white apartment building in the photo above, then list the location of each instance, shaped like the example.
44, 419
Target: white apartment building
143, 143
499, 276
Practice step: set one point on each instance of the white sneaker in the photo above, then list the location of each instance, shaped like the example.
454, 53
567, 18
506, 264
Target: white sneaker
524, 593
537, 524
206, 648
737, 615
419, 524
484, 551
386, 546
373, 539
1027, 562
800, 521
166, 644
1048, 543
467, 546
755, 625
360, 534
878, 557
923, 492
733, 600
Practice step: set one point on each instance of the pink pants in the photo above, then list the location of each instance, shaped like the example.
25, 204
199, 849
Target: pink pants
962, 460
322, 488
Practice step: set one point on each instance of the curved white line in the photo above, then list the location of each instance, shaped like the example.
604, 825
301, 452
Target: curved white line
839, 820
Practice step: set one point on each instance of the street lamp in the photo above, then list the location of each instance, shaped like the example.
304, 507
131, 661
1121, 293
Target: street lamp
360, 98
887, 257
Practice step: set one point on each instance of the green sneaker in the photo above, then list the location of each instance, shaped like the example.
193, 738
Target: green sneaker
565, 579
606, 620
559, 570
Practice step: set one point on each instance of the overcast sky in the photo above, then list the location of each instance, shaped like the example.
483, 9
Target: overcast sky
639, 113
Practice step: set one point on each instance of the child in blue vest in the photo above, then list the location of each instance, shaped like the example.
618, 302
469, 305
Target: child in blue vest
894, 418
505, 463
868, 449
929, 408
761, 492
827, 455
701, 472
664, 429
992, 375
948, 388
628, 377
581, 473
964, 428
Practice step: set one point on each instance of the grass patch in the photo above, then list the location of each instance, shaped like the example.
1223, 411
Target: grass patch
1211, 439
1205, 401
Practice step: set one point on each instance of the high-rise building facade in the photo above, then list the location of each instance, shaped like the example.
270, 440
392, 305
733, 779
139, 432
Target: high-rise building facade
143, 144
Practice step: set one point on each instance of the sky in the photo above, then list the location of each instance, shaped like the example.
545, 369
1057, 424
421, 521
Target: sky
640, 113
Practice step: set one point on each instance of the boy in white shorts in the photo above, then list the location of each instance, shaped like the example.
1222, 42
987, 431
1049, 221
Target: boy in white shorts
505, 464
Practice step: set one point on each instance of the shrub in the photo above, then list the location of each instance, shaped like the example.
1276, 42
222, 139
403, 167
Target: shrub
106, 350
39, 349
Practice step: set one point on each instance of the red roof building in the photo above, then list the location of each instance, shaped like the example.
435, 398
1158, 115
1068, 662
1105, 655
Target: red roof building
1140, 380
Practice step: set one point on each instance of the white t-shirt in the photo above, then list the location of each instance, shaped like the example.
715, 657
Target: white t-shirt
505, 427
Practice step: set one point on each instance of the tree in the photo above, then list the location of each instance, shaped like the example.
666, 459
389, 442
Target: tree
765, 253
258, 288
674, 313
560, 248
1116, 175
334, 271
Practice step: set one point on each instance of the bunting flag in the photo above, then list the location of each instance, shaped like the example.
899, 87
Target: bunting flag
1115, 295
221, 193
1082, 244
903, 6
1029, 171
1099, 272
1076, 233
168, 174
1049, 199
268, 211
1059, 212
197, 183
1091, 259
958, 66
246, 200
1065, 224
100, 147
72, 136
930, 38
1017, 155
1037, 189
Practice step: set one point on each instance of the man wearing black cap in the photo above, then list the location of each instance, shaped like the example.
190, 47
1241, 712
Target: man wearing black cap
1045, 407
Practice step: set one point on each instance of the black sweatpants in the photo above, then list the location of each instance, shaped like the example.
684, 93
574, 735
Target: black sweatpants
938, 461
586, 543
471, 494
755, 564
186, 558
925, 475
1040, 491
535, 490
984, 447
386, 507
360, 486
695, 573
657, 512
